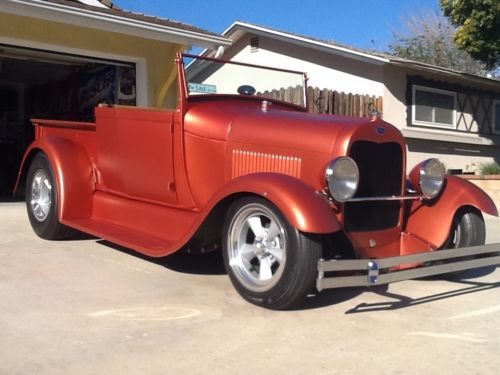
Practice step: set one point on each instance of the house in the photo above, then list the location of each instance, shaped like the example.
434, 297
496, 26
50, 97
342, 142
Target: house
442, 113
59, 58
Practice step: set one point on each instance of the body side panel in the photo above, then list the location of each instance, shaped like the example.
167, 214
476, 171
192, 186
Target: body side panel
135, 152
159, 231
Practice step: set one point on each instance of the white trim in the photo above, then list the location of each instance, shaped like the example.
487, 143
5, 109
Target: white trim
141, 69
495, 103
447, 136
109, 22
328, 47
94, 3
414, 121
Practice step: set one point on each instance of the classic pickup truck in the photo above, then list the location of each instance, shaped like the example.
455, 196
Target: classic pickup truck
298, 202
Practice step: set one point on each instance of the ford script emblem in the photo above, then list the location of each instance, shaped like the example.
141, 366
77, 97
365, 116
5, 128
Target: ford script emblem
380, 131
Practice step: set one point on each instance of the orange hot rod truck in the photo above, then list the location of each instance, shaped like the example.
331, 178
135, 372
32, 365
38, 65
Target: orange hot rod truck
296, 201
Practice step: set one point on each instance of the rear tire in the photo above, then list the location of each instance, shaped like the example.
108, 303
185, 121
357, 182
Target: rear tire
42, 201
270, 263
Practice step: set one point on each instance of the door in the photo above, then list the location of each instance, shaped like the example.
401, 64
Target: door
135, 152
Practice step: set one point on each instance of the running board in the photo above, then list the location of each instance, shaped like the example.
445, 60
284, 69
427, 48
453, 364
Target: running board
378, 271
123, 236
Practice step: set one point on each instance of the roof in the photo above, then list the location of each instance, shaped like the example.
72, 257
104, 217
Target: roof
111, 18
239, 28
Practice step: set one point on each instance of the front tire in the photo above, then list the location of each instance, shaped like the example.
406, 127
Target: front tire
468, 229
41, 200
269, 262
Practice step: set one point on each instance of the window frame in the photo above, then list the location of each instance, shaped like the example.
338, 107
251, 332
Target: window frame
496, 102
429, 124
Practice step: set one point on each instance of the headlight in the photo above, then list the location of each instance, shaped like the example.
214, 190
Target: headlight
342, 175
428, 178
431, 178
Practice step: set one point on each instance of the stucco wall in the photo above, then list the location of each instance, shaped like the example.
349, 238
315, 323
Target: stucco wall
157, 57
456, 149
323, 69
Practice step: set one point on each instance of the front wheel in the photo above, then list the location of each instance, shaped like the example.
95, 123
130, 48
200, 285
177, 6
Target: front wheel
467, 230
41, 201
269, 262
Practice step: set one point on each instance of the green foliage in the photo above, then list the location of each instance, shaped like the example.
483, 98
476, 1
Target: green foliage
428, 38
489, 168
478, 31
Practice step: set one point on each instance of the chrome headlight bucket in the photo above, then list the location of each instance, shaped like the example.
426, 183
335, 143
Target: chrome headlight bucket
431, 178
342, 176
428, 178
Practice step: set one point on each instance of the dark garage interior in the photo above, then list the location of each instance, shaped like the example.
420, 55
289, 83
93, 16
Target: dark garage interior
42, 84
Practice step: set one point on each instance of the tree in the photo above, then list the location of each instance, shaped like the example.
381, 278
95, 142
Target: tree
428, 38
478, 27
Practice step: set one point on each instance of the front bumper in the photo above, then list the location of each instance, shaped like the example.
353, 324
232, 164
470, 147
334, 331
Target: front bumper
368, 272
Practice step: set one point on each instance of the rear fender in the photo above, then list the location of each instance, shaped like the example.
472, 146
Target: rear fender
305, 209
73, 173
432, 220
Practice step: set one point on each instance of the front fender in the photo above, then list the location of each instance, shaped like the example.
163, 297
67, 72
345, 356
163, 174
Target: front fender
432, 221
72, 171
305, 209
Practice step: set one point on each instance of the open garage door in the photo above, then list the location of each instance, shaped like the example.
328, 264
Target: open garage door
43, 84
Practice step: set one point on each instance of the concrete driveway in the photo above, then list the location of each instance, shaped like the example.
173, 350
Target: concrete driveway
86, 307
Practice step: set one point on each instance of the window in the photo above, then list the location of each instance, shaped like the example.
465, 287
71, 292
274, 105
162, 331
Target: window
496, 116
433, 107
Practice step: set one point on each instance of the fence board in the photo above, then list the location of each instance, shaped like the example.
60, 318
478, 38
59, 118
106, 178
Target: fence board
329, 101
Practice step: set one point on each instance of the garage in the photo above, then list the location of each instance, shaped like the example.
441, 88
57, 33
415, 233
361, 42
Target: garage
59, 58
44, 84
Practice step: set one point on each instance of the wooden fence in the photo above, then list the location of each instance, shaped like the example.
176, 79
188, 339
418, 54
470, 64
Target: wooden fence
329, 101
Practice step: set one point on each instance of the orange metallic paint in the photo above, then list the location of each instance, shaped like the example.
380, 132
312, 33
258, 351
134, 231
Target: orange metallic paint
306, 209
126, 168
205, 165
432, 220
73, 173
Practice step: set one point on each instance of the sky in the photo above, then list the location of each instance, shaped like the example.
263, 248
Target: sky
359, 23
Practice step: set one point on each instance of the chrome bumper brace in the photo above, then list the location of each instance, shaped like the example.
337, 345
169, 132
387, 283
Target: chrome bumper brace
367, 272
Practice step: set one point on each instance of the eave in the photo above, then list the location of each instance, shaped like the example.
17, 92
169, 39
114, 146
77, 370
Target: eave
65, 14
238, 29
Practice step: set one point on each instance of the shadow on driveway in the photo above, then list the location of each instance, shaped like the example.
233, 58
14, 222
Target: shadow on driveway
212, 264
197, 264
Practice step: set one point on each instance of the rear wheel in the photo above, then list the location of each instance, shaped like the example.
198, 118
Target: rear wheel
269, 262
41, 201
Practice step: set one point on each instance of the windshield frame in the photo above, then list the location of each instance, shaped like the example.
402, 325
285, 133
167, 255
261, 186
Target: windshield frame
185, 65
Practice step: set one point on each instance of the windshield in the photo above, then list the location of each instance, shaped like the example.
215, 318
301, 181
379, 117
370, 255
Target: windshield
209, 76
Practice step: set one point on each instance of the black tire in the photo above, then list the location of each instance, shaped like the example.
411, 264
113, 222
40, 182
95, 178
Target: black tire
41, 201
467, 230
270, 263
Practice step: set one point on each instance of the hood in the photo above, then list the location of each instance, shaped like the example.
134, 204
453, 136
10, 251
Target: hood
247, 123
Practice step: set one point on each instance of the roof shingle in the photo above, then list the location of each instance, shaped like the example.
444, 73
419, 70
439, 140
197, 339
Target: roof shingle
116, 11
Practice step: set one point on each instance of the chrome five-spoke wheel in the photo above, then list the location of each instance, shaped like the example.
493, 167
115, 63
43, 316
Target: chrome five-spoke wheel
257, 244
41, 200
269, 261
41, 195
